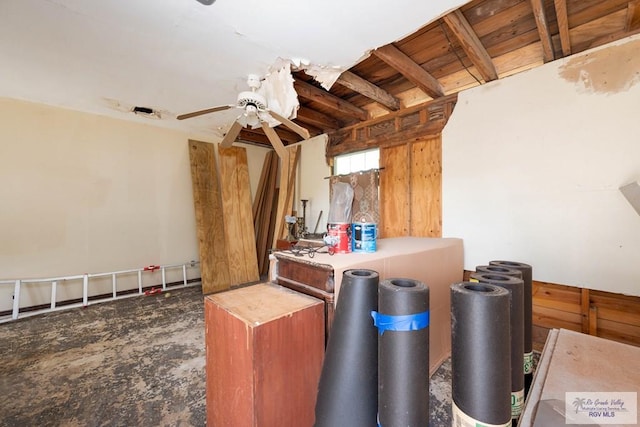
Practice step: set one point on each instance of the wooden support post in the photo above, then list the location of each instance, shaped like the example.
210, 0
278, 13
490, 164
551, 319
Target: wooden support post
584, 309
593, 321
589, 313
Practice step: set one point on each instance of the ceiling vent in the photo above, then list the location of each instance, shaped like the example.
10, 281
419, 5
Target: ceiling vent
146, 112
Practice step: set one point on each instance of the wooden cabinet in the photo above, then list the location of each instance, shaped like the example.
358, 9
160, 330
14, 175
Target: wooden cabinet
264, 350
434, 261
310, 279
306, 271
284, 244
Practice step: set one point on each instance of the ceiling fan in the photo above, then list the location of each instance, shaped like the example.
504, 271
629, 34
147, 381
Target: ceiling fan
254, 113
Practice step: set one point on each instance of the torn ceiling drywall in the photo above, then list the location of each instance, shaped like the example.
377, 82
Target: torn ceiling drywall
180, 55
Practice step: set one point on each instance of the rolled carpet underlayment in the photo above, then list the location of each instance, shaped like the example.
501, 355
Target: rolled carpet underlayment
527, 277
403, 353
348, 386
496, 269
480, 354
516, 288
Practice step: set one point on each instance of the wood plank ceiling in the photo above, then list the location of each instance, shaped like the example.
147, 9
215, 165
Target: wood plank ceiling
482, 41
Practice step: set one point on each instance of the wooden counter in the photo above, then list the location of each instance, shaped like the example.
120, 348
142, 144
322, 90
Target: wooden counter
436, 262
573, 362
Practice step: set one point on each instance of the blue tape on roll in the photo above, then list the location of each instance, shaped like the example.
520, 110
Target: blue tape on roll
407, 322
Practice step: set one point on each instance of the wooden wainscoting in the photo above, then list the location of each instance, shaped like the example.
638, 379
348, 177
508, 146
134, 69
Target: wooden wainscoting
603, 314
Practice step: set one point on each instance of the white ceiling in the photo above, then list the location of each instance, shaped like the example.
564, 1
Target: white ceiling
178, 56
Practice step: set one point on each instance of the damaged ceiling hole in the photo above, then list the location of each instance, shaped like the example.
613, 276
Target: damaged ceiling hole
146, 111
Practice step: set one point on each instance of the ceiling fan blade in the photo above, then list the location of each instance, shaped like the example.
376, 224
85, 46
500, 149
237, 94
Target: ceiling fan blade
291, 125
275, 141
231, 135
202, 112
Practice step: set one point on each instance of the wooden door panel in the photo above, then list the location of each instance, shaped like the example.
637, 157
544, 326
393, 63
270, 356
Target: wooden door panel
411, 189
426, 188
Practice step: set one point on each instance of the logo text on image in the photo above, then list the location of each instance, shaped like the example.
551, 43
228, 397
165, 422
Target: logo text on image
604, 407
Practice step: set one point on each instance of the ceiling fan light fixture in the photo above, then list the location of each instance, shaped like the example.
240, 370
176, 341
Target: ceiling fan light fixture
248, 98
253, 120
256, 114
250, 117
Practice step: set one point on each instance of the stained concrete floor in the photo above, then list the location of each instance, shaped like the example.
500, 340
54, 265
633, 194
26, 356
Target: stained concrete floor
133, 362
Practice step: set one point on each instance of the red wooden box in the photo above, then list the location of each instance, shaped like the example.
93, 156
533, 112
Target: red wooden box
265, 345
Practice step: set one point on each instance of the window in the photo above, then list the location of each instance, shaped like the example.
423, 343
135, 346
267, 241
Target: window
360, 171
356, 162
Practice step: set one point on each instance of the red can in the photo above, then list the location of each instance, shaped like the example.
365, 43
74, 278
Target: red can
339, 234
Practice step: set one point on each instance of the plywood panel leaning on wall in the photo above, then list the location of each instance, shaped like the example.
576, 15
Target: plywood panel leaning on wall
394, 192
263, 207
238, 216
214, 267
289, 165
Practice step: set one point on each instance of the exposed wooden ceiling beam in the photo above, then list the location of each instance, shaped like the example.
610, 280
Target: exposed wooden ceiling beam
563, 26
285, 134
407, 124
316, 118
258, 134
329, 100
411, 70
633, 16
251, 137
368, 89
543, 29
471, 44
313, 130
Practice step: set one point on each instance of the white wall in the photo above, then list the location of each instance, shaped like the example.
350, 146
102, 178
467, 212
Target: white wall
81, 193
312, 184
532, 165
255, 162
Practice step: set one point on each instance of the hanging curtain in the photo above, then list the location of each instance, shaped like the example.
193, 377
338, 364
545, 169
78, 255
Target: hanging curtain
365, 194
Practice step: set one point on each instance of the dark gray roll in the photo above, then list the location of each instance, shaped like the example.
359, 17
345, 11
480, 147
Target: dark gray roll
348, 387
527, 277
516, 314
403, 353
480, 357
497, 269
